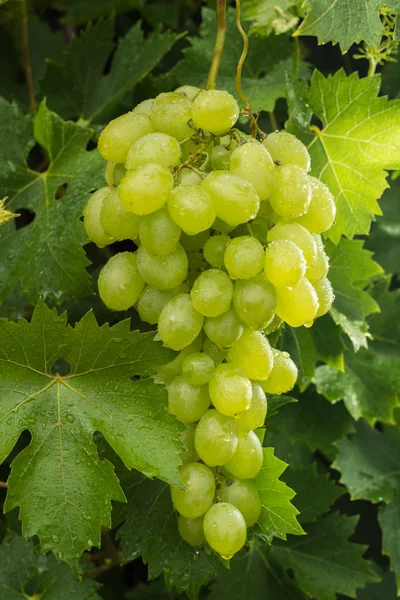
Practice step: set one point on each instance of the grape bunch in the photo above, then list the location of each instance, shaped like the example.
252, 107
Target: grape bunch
227, 230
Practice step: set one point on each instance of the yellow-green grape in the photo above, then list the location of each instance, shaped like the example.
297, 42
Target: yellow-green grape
190, 91
320, 266
187, 176
224, 329
198, 368
145, 189
192, 208
116, 221
230, 390
159, 148
163, 272
220, 157
191, 530
214, 250
109, 173
252, 352
120, 283
215, 438
248, 458
287, 149
297, 305
322, 210
215, 352
215, 111
192, 243
189, 147
212, 293
325, 294
187, 439
244, 496
179, 323
168, 372
244, 257
187, 402
151, 301
236, 201
254, 301
119, 135
284, 264
92, 218
144, 108
283, 375
253, 417
253, 162
158, 233
275, 324
225, 529
171, 113
198, 495
298, 235
291, 195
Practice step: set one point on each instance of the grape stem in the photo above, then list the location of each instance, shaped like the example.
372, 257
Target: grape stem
240, 93
219, 45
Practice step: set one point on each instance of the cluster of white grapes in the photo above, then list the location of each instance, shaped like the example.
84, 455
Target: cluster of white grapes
228, 234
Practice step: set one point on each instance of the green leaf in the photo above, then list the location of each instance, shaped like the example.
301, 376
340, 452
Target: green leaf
63, 489
80, 11
46, 256
154, 590
276, 402
270, 15
324, 563
389, 520
384, 590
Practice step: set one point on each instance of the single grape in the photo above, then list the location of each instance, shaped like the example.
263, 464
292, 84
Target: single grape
291, 195
320, 266
230, 390
187, 402
116, 221
244, 496
171, 113
284, 263
275, 324
221, 227
193, 243
190, 91
192, 208
92, 218
113, 173
322, 210
158, 233
214, 250
198, 495
120, 283
297, 305
252, 352
244, 257
217, 354
253, 162
159, 148
145, 189
179, 323
212, 293
187, 176
215, 111
198, 368
187, 439
119, 135
144, 108
298, 235
151, 302
191, 530
215, 438
163, 272
287, 149
325, 294
283, 375
248, 458
225, 529
168, 372
253, 417
224, 329
220, 157
236, 201
254, 301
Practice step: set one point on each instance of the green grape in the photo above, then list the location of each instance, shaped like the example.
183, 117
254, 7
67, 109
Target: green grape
298, 235
283, 375
248, 458
189, 147
92, 218
163, 272
171, 113
297, 305
245, 497
252, 352
179, 323
215, 438
116, 221
145, 189
187, 439
220, 157
291, 195
221, 227
159, 148
144, 108
230, 390
158, 233
119, 135
217, 354
236, 201
284, 264
212, 293
214, 250
198, 368
325, 294
168, 372
320, 266
190, 91
192, 208
187, 176
275, 324
120, 283
224, 329
254, 301
253, 162
187, 402
191, 530
244, 257
198, 495
253, 417
151, 301
113, 173
322, 210
287, 149
215, 111
225, 529
192, 243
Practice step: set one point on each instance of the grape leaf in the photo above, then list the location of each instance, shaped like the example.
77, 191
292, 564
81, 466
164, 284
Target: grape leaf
324, 562
63, 489
154, 590
45, 256
267, 15
389, 520
276, 402
384, 590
